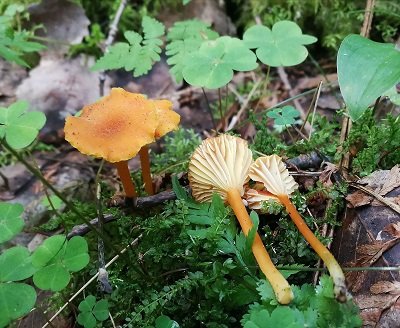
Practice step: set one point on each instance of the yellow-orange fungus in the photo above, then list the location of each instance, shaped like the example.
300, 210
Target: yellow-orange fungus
115, 127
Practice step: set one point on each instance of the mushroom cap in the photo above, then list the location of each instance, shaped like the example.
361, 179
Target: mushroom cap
167, 118
218, 165
117, 126
272, 172
254, 198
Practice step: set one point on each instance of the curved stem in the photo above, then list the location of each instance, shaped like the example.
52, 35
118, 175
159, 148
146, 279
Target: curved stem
125, 176
333, 266
279, 284
146, 174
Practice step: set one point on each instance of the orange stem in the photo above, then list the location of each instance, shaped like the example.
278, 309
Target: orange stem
145, 164
125, 176
279, 284
333, 266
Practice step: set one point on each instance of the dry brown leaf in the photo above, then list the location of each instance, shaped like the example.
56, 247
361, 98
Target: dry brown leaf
359, 198
393, 229
326, 174
392, 181
381, 287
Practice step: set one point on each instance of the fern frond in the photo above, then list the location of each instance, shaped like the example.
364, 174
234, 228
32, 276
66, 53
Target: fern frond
139, 54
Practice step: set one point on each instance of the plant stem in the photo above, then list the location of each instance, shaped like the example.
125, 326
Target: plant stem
125, 176
209, 109
146, 174
333, 266
279, 284
43, 180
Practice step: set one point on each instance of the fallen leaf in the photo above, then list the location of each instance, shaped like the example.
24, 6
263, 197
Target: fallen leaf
393, 229
359, 198
381, 287
391, 182
326, 174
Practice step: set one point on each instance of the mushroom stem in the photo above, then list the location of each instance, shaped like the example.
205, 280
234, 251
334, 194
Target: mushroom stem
333, 266
145, 164
125, 176
279, 284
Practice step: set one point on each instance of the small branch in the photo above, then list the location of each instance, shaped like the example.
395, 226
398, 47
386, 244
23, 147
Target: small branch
110, 39
368, 15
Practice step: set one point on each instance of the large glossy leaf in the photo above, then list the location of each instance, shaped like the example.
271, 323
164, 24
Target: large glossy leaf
283, 45
366, 70
11, 222
15, 264
16, 300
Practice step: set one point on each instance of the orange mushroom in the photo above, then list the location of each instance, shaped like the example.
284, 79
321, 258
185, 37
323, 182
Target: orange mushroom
116, 128
272, 172
220, 165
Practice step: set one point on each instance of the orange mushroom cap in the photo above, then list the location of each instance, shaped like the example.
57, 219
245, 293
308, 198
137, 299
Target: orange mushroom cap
167, 118
118, 125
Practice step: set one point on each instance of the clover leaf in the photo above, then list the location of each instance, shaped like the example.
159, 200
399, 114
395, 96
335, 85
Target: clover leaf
18, 127
16, 299
213, 64
283, 45
284, 116
164, 321
11, 222
366, 70
56, 258
92, 311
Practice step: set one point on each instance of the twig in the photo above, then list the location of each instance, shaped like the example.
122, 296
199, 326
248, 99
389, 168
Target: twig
383, 200
110, 39
283, 76
315, 108
236, 118
42, 179
368, 15
133, 243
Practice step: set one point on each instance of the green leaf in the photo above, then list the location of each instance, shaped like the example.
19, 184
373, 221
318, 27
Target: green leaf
139, 54
76, 254
164, 321
52, 249
87, 304
55, 201
55, 258
20, 127
282, 316
101, 310
87, 319
16, 300
284, 116
185, 38
53, 277
213, 64
178, 189
265, 290
366, 69
252, 233
15, 264
11, 222
281, 46
92, 311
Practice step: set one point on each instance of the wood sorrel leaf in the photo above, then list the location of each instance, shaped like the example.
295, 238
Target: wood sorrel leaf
213, 64
15, 264
281, 46
18, 127
366, 70
11, 222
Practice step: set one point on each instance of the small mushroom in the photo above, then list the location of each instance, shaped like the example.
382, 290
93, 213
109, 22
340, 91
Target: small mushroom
220, 165
116, 128
271, 171
254, 198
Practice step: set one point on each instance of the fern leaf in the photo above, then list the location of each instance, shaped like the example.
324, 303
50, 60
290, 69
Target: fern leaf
139, 54
185, 38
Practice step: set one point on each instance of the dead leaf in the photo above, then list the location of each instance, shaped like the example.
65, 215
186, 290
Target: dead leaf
326, 174
392, 181
359, 198
381, 287
393, 229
